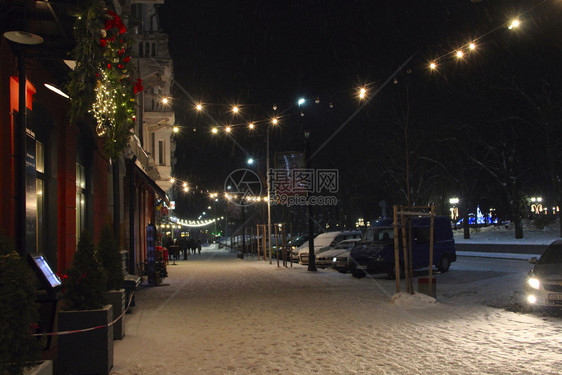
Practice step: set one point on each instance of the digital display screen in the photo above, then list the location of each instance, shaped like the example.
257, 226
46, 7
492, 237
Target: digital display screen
46, 270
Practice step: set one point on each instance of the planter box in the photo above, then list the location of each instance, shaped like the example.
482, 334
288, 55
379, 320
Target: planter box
116, 298
43, 368
89, 352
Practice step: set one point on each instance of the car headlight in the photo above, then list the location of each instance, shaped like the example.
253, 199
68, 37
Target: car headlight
534, 283
531, 299
334, 260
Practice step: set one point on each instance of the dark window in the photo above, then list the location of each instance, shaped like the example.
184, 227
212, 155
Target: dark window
552, 255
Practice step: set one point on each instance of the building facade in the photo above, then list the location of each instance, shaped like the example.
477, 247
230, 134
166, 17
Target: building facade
55, 180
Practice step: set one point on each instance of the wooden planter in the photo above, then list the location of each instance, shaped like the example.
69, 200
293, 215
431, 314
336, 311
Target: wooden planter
89, 352
117, 299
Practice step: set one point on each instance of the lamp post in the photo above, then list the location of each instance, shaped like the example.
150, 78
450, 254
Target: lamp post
274, 121
311, 255
268, 183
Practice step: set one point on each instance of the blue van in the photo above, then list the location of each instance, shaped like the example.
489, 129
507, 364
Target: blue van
375, 252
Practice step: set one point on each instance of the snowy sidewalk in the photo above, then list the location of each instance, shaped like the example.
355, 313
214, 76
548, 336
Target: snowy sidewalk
478, 254
222, 315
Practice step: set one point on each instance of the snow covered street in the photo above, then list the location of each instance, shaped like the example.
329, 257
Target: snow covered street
222, 315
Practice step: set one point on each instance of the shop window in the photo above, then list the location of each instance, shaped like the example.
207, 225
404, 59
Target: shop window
40, 193
40, 235
161, 152
140, 49
39, 157
80, 200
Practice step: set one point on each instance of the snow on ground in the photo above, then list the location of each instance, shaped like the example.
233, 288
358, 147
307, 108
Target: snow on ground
222, 315
506, 235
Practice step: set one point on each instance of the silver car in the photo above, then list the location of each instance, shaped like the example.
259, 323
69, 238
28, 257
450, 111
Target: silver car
325, 257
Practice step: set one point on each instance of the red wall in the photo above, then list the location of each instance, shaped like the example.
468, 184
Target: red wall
7, 69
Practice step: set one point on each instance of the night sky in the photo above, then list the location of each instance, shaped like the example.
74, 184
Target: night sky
261, 53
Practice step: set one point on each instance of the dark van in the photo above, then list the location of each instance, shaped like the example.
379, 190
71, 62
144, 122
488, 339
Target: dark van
375, 252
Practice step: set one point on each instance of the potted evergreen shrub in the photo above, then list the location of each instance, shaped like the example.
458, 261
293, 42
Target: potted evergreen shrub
112, 262
89, 349
18, 312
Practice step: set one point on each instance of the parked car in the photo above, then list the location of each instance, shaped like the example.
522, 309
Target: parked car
375, 252
325, 257
324, 240
544, 281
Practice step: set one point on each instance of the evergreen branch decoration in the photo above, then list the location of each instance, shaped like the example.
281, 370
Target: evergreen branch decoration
102, 82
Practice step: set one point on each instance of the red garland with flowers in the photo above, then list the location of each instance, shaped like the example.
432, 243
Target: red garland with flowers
103, 82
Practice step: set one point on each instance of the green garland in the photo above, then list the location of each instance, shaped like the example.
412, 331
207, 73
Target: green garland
102, 82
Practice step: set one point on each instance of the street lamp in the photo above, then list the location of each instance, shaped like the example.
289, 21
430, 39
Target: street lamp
311, 256
274, 121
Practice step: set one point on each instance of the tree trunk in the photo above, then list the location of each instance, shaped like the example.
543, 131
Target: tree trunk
518, 226
466, 228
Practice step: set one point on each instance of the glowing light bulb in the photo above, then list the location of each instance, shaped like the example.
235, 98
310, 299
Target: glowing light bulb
514, 24
235, 109
432, 66
228, 129
459, 54
176, 129
214, 130
199, 107
164, 100
251, 125
472, 46
362, 93
172, 180
275, 121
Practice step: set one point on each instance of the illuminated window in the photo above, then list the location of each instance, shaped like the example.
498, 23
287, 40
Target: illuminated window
80, 200
40, 186
40, 157
40, 193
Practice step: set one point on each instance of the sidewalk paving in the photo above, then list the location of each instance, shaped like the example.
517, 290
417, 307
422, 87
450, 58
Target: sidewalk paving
218, 315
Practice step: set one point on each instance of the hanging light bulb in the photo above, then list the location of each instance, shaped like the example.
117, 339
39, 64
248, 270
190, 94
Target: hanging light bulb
362, 93
100, 129
514, 24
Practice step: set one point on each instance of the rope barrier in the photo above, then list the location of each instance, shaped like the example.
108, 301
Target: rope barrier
61, 333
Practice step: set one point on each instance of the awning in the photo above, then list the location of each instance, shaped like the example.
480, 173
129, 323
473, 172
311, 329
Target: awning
157, 189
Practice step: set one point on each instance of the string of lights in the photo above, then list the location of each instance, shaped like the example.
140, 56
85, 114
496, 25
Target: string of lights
360, 93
